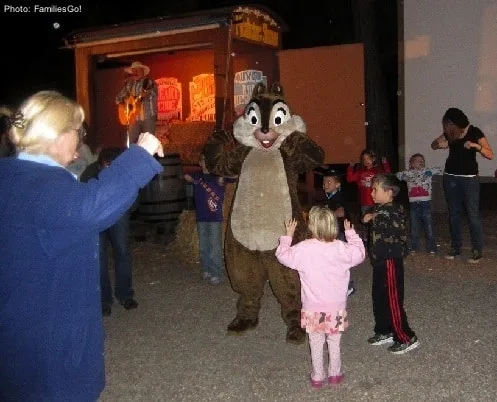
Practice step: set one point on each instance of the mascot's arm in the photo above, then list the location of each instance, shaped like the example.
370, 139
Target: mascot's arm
302, 152
222, 160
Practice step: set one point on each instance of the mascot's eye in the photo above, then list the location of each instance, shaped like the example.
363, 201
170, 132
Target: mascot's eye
252, 117
280, 117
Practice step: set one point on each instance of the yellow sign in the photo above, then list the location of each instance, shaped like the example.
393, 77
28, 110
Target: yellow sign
202, 98
256, 26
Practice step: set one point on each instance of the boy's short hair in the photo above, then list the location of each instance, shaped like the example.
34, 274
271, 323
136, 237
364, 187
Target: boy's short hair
387, 181
417, 155
333, 173
323, 224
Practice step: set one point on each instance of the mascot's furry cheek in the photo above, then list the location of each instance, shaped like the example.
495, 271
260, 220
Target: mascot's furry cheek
294, 124
243, 132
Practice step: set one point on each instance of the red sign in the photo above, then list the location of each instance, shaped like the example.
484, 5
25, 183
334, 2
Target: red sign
169, 100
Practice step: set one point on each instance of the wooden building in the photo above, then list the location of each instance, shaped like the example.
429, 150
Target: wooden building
205, 65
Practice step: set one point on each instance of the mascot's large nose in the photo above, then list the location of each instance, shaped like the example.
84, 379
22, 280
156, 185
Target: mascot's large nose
265, 130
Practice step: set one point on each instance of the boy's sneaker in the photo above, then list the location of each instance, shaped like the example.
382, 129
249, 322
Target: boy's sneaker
453, 254
475, 259
206, 276
380, 339
351, 289
215, 280
400, 348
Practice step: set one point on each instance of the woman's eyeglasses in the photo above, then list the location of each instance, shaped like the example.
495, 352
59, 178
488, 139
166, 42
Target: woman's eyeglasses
81, 132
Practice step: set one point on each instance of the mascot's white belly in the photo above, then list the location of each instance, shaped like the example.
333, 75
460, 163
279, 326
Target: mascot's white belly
262, 201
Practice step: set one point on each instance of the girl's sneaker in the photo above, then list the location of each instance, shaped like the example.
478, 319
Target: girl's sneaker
318, 384
336, 379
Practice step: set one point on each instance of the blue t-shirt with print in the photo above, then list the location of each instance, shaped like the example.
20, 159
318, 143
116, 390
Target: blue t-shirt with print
209, 196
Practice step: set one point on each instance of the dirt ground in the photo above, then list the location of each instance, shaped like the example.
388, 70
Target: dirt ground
174, 347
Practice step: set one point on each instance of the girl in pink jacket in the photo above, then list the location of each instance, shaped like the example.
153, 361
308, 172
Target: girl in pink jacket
323, 263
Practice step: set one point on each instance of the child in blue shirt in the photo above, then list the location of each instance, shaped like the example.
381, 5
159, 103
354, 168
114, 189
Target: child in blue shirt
209, 197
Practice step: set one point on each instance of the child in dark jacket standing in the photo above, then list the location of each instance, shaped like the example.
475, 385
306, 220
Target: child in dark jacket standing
335, 201
387, 249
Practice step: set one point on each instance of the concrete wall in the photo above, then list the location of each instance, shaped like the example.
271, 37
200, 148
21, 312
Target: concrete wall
449, 60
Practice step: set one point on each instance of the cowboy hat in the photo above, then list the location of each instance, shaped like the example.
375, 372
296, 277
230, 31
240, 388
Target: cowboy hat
137, 64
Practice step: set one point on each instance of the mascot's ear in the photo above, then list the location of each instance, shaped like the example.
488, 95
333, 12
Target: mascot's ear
277, 89
259, 88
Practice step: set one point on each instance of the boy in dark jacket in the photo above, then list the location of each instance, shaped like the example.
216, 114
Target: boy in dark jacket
387, 249
335, 201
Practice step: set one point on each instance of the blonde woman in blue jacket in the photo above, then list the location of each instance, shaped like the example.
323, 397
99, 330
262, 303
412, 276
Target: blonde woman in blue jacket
51, 333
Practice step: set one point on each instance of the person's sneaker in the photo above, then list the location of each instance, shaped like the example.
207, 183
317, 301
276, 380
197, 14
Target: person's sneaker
475, 259
351, 289
129, 304
215, 280
336, 379
453, 254
380, 339
400, 348
206, 276
318, 384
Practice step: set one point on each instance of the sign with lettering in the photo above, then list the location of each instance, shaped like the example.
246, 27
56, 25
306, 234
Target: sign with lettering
169, 100
202, 98
244, 84
256, 26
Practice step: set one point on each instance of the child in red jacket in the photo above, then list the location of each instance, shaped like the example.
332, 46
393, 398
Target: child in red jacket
363, 177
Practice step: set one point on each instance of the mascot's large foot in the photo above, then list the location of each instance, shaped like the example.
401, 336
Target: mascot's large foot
240, 325
295, 334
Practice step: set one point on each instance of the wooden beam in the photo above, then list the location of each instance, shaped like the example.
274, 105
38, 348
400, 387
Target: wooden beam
188, 38
82, 64
222, 64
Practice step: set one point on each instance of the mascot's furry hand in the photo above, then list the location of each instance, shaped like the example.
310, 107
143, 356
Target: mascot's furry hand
303, 153
222, 136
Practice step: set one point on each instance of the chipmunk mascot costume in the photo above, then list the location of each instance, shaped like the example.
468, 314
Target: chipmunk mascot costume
270, 151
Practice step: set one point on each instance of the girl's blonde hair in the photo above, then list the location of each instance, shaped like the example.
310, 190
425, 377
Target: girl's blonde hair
323, 224
42, 118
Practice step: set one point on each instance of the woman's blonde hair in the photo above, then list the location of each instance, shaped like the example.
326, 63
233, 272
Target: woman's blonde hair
323, 224
41, 119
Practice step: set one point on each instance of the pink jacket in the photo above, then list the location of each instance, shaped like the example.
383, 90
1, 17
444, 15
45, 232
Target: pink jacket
323, 269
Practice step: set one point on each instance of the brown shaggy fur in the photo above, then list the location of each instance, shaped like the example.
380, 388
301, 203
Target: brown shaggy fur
266, 195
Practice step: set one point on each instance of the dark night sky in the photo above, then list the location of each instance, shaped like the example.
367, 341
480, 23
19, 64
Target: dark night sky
33, 60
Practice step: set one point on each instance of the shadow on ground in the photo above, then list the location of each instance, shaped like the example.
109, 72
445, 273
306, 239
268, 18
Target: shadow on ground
174, 346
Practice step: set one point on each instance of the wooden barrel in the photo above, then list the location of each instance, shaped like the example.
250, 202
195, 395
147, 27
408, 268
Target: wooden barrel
163, 199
